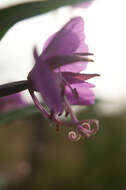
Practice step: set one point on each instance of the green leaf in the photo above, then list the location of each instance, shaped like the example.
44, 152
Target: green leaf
11, 15
16, 114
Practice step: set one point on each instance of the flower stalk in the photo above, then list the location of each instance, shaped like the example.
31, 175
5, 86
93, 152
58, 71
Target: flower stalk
13, 87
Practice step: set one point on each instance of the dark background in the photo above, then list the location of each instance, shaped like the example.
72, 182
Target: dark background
34, 156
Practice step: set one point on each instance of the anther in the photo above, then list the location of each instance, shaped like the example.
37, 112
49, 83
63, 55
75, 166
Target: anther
62, 90
57, 127
66, 114
51, 115
59, 114
75, 93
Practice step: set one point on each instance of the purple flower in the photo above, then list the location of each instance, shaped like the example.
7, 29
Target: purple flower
56, 75
11, 102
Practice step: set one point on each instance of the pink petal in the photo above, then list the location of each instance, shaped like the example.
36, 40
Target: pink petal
47, 83
69, 40
48, 41
73, 77
86, 95
65, 60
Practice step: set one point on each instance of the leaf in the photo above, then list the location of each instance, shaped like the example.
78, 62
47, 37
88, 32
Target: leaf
11, 15
19, 113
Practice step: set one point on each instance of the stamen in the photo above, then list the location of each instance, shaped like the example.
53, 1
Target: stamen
66, 114
86, 126
73, 136
51, 115
74, 91
47, 115
62, 85
95, 124
57, 127
39, 106
62, 90
73, 116
59, 114
83, 129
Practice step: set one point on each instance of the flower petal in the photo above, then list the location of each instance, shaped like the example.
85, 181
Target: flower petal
77, 77
45, 81
69, 40
86, 95
48, 41
59, 61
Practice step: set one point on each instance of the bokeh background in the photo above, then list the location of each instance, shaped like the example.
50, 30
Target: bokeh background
32, 154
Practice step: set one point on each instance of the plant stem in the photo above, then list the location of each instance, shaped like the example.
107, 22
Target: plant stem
13, 87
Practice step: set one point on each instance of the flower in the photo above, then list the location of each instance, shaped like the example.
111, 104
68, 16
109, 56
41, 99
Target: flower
11, 102
56, 75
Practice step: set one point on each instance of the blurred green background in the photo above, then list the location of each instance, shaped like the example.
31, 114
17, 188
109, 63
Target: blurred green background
34, 156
